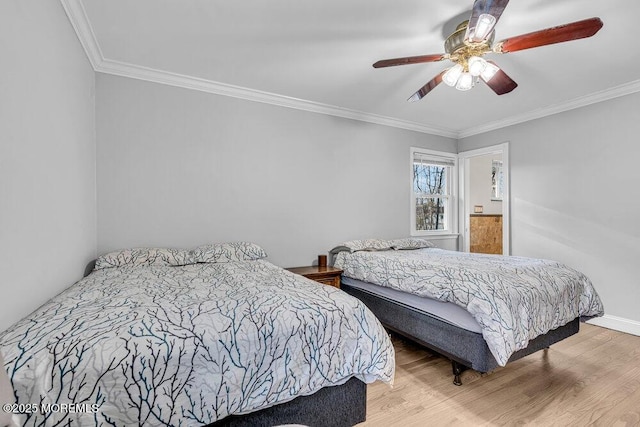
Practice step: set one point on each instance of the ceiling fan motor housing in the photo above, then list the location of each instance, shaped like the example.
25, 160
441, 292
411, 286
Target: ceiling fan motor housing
460, 51
456, 41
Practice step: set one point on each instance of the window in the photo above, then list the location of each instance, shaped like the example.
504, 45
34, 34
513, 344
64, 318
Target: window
433, 191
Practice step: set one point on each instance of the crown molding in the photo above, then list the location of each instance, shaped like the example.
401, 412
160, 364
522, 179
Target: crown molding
204, 85
583, 101
80, 22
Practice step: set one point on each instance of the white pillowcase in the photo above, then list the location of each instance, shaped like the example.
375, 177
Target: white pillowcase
228, 252
144, 257
410, 243
382, 245
367, 245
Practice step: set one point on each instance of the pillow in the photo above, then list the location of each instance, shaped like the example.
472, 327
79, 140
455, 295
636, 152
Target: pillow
144, 257
228, 252
364, 245
410, 243
382, 245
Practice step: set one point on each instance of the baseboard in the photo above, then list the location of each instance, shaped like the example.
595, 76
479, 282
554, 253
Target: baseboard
618, 323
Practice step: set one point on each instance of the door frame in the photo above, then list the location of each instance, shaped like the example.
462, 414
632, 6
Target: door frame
464, 207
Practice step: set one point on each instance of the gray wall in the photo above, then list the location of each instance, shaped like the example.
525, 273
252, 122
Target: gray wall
574, 194
183, 168
47, 156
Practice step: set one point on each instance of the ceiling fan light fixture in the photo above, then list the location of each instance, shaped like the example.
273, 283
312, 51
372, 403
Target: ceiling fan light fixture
476, 65
489, 71
483, 28
451, 76
474, 38
465, 81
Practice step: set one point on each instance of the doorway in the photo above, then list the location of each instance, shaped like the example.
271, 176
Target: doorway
484, 200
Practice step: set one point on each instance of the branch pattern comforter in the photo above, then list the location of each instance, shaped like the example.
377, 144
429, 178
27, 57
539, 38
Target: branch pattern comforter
514, 299
188, 345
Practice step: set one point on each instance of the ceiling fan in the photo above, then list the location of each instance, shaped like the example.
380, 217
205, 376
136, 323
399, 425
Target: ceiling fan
474, 38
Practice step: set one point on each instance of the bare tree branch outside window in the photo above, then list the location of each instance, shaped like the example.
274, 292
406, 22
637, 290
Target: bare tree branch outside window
430, 191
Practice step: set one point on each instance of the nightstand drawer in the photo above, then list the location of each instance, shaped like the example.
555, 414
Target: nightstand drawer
325, 275
335, 281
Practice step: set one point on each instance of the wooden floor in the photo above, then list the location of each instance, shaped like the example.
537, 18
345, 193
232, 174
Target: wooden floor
591, 378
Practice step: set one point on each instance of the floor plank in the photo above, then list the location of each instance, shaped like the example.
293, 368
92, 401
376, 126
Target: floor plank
591, 378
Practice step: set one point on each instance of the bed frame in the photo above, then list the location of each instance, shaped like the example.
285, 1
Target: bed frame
464, 348
338, 406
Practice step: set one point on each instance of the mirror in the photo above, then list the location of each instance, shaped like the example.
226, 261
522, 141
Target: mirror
497, 180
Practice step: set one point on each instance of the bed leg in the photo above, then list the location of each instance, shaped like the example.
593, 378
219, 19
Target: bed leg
458, 369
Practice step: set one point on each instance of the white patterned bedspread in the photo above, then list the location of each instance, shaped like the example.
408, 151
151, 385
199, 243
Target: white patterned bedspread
188, 345
514, 299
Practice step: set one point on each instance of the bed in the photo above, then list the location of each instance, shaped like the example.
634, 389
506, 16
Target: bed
481, 311
213, 336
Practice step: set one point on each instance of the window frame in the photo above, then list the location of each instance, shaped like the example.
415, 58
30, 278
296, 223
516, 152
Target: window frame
451, 209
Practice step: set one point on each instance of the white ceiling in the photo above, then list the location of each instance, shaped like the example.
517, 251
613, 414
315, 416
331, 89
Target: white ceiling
317, 55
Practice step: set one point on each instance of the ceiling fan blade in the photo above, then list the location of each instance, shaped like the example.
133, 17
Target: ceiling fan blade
410, 60
559, 34
424, 90
500, 83
484, 16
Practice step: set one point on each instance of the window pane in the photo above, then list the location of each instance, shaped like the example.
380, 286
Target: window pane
429, 179
430, 213
433, 200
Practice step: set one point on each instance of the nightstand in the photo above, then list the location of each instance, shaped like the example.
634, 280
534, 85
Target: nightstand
325, 275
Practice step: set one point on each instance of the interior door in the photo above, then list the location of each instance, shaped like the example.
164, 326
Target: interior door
484, 200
